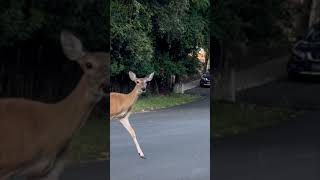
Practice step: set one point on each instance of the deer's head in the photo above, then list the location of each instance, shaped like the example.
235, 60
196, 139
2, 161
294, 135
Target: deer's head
93, 64
141, 83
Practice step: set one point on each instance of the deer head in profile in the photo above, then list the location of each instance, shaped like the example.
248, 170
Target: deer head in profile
93, 64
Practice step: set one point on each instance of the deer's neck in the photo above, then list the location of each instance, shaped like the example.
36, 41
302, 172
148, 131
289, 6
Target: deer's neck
75, 108
133, 96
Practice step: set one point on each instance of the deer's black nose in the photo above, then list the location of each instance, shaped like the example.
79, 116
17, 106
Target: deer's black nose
143, 89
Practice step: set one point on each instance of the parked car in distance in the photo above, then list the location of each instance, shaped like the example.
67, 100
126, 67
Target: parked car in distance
205, 79
305, 54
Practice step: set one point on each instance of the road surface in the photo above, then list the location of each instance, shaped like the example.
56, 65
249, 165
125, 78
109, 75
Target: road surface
290, 150
175, 142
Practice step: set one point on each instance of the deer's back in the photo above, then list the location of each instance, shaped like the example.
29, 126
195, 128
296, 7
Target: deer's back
22, 127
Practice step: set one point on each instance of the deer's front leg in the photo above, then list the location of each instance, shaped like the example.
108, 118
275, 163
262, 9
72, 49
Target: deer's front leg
125, 122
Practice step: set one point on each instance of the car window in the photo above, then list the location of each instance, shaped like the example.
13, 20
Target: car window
313, 35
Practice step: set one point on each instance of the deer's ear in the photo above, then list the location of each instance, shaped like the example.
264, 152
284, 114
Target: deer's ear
71, 45
132, 76
149, 78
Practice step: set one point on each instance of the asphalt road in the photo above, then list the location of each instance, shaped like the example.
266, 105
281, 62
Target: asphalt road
290, 150
175, 142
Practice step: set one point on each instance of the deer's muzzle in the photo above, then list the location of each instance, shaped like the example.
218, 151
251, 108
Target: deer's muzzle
104, 87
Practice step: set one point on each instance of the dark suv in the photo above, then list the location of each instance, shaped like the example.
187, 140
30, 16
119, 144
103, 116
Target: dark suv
305, 54
205, 80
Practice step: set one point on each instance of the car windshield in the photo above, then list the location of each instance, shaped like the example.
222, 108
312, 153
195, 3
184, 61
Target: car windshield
313, 35
207, 75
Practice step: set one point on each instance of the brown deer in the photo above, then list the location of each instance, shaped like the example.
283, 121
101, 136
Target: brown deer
121, 105
35, 136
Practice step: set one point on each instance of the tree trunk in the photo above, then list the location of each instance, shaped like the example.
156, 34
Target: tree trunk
303, 19
156, 87
207, 61
18, 56
27, 8
40, 53
224, 75
314, 12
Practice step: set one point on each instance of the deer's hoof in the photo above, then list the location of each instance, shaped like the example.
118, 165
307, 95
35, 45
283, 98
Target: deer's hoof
142, 157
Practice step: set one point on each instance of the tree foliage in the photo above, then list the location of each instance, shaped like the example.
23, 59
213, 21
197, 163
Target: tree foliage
131, 44
252, 20
158, 36
25, 20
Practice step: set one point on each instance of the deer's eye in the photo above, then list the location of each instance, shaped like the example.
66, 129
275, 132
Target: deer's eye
88, 65
137, 82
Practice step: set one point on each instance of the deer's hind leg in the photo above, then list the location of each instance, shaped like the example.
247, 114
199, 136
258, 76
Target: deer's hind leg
125, 122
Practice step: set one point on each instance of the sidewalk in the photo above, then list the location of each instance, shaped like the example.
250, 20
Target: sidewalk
261, 74
233, 81
182, 87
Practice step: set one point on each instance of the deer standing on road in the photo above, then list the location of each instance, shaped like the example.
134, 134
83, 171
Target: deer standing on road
35, 136
121, 105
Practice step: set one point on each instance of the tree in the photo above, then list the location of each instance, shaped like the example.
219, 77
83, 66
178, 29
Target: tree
130, 41
314, 13
157, 36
